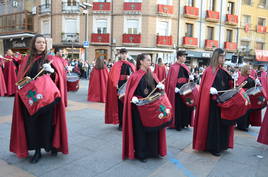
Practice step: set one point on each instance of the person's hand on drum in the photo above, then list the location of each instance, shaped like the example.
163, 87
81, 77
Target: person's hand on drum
134, 100
47, 67
160, 86
177, 90
257, 82
213, 91
191, 77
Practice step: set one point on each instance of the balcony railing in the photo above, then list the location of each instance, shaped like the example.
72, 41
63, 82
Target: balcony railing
164, 9
164, 40
213, 16
210, 44
231, 19
72, 7
132, 6
230, 46
23, 22
100, 38
101, 6
190, 42
131, 38
261, 29
191, 12
70, 37
44, 8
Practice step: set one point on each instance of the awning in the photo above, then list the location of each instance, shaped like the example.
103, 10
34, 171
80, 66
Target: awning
261, 55
20, 35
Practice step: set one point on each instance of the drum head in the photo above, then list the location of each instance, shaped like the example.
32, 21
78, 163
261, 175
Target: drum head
152, 98
122, 89
254, 90
72, 77
186, 88
226, 96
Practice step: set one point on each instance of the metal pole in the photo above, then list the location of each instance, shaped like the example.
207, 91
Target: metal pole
86, 34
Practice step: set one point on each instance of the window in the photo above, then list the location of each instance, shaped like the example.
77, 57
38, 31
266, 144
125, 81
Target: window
163, 28
246, 19
247, 2
101, 26
230, 8
189, 30
210, 33
71, 26
261, 21
244, 45
211, 5
263, 3
45, 28
259, 45
229, 35
190, 3
71, 2
132, 26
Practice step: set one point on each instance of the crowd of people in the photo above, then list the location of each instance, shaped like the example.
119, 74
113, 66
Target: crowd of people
143, 98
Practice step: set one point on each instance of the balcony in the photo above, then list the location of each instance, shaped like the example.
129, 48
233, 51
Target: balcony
261, 29
131, 39
191, 12
164, 9
22, 24
163, 40
100, 38
70, 7
211, 44
231, 19
132, 7
70, 37
44, 8
212, 16
230, 46
101, 7
190, 42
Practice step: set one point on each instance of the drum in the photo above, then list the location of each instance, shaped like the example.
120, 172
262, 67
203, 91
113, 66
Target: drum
39, 94
234, 104
190, 93
155, 111
72, 82
257, 98
121, 91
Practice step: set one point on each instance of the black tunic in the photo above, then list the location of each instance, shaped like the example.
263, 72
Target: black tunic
146, 143
183, 113
39, 129
218, 132
243, 122
125, 70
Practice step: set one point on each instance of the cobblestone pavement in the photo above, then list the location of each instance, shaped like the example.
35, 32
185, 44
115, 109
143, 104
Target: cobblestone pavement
95, 150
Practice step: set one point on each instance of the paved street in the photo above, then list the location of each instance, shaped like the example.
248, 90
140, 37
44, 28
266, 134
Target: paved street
95, 150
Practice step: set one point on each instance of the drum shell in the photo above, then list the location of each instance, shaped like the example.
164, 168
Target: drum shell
258, 100
72, 82
121, 92
191, 98
150, 114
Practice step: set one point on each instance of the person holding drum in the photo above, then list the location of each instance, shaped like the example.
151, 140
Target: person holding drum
46, 127
118, 76
253, 117
98, 82
210, 133
160, 70
142, 138
178, 75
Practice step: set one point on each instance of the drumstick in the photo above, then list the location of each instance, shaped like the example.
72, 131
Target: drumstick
41, 71
153, 90
239, 87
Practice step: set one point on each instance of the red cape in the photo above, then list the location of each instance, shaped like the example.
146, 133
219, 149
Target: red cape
10, 76
202, 112
63, 71
98, 85
18, 142
160, 71
111, 106
254, 116
3, 89
263, 134
170, 84
128, 138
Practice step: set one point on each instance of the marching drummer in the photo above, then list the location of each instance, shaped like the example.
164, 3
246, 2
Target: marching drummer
139, 141
118, 76
210, 134
47, 129
178, 75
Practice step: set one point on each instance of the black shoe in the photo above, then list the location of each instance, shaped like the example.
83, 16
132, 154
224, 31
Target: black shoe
120, 127
215, 153
36, 157
143, 160
54, 152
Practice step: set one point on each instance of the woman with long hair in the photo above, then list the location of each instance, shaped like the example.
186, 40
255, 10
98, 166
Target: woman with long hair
97, 88
46, 129
210, 133
160, 70
139, 141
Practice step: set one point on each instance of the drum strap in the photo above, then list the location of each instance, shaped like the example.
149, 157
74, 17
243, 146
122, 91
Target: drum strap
182, 80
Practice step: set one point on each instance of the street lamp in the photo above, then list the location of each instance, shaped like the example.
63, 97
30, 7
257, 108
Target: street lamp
86, 6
